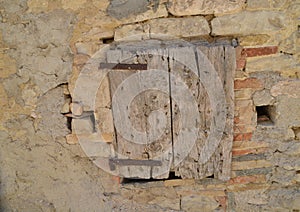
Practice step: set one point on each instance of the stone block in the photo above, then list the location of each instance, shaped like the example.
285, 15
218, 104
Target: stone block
253, 83
275, 63
132, 32
73, 4
166, 27
254, 40
265, 22
72, 139
288, 88
263, 97
243, 94
180, 27
288, 112
194, 203
82, 126
253, 164
7, 66
258, 4
160, 12
195, 7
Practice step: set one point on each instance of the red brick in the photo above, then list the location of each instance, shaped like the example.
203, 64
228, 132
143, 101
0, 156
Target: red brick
116, 179
247, 179
242, 136
238, 152
239, 128
253, 83
247, 136
222, 200
238, 137
240, 58
260, 51
236, 120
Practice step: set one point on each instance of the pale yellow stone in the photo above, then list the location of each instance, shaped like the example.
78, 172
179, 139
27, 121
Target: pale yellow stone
243, 94
65, 108
253, 164
7, 66
149, 14
287, 88
179, 182
164, 28
247, 187
30, 97
279, 63
108, 137
132, 32
195, 7
196, 202
180, 27
88, 48
249, 144
72, 139
102, 4
254, 40
37, 6
258, 4
3, 97
289, 134
73, 4
250, 23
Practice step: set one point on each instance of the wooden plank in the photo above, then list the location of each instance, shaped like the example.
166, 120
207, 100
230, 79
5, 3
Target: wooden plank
227, 141
157, 109
218, 165
179, 58
125, 148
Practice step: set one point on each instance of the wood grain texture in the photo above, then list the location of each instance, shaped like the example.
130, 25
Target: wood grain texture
158, 112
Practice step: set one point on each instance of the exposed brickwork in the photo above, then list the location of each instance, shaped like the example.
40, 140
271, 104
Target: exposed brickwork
265, 175
260, 51
243, 53
242, 137
247, 179
253, 83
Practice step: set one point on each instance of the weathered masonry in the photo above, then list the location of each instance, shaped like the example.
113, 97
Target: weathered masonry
64, 105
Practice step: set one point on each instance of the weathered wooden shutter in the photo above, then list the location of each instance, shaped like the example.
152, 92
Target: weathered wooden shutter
133, 66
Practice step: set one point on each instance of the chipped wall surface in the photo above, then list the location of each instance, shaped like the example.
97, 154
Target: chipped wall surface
46, 43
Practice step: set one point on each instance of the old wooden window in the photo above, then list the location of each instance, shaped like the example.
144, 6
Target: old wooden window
167, 107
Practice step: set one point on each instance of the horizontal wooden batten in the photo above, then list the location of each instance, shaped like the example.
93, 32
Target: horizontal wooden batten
130, 162
123, 66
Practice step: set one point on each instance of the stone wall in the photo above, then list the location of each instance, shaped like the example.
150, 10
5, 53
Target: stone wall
45, 44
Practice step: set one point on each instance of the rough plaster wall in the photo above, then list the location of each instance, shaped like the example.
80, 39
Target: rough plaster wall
44, 45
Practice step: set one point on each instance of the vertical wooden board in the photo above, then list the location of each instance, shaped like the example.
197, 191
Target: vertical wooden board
157, 110
226, 143
190, 168
225, 68
182, 72
219, 164
126, 149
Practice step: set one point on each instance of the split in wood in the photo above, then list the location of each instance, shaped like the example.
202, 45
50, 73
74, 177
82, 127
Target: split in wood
129, 162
